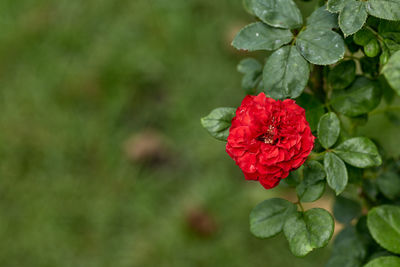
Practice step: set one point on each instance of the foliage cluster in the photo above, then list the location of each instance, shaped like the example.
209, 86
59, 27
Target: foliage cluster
340, 64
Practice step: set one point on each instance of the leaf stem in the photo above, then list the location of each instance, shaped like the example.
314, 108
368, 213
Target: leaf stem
300, 205
383, 110
316, 156
375, 33
351, 57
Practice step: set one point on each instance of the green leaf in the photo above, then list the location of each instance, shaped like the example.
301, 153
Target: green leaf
363, 36
395, 36
362, 97
252, 70
313, 107
359, 152
389, 185
294, 177
259, 36
384, 226
384, 9
392, 46
392, 72
342, 75
348, 249
388, 261
320, 46
328, 129
248, 6
372, 49
335, 6
313, 185
336, 172
218, 122
388, 26
323, 19
251, 81
278, 13
309, 230
345, 210
285, 73
249, 65
268, 217
352, 17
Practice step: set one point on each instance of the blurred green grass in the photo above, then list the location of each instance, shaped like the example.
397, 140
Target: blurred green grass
78, 79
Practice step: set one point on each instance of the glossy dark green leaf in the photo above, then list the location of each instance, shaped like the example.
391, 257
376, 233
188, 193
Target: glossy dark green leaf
336, 172
348, 249
313, 107
392, 72
285, 74
328, 129
389, 185
268, 217
218, 122
359, 152
384, 9
320, 46
259, 36
336, 6
345, 210
387, 261
278, 13
372, 49
352, 17
384, 226
248, 6
363, 36
294, 177
309, 230
362, 97
342, 75
312, 186
323, 19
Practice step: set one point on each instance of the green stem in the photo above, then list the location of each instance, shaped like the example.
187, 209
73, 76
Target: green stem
375, 33
300, 205
351, 57
316, 156
383, 110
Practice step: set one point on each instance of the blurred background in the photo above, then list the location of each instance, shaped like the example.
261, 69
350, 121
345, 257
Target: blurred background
103, 161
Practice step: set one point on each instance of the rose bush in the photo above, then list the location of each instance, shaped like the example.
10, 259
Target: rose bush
269, 138
342, 65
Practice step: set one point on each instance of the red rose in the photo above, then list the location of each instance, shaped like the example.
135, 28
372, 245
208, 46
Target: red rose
269, 138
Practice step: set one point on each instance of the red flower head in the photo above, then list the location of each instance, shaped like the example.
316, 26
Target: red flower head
269, 138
